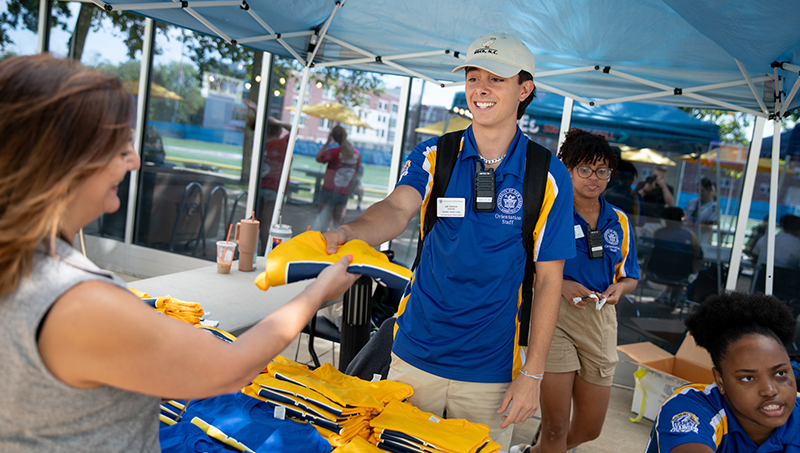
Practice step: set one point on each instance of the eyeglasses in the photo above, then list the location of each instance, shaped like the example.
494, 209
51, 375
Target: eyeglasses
602, 173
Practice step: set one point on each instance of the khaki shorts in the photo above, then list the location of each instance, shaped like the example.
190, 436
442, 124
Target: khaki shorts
585, 341
474, 401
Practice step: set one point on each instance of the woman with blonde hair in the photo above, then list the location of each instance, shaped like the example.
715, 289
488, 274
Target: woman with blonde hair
344, 163
84, 360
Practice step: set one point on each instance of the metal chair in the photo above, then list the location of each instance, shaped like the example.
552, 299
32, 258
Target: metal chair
187, 212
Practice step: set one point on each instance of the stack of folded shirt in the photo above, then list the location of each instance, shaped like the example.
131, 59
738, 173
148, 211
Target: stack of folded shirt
189, 312
339, 406
403, 428
233, 422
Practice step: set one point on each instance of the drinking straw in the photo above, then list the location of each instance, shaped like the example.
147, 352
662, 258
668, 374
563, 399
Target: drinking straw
253, 216
309, 228
225, 249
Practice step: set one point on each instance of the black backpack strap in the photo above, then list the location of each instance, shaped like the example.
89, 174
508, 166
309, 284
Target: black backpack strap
447, 150
537, 167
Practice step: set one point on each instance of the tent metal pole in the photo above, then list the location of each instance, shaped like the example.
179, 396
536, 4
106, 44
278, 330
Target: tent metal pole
44, 26
397, 146
750, 172
773, 205
384, 58
790, 97
566, 119
753, 87
258, 133
287, 160
555, 90
719, 222
142, 101
565, 71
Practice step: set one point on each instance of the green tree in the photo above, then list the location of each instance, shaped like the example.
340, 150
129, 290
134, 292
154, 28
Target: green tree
183, 80
351, 88
732, 125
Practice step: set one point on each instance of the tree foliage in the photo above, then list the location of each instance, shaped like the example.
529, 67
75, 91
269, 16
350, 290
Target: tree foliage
732, 125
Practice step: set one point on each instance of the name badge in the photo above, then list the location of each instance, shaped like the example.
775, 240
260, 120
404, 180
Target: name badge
450, 207
578, 232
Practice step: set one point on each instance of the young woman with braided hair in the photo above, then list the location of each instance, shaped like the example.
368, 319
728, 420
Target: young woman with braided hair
752, 405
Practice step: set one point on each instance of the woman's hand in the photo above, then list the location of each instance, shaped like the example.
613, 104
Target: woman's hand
572, 291
623, 286
613, 293
335, 280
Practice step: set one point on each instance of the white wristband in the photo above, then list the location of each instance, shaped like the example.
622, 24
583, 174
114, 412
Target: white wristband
538, 377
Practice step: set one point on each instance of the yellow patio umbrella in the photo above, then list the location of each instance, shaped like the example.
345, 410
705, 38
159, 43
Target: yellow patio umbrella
647, 156
334, 111
457, 123
733, 158
156, 90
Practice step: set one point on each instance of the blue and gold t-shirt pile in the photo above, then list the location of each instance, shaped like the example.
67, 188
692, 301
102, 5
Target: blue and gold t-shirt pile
289, 408
339, 406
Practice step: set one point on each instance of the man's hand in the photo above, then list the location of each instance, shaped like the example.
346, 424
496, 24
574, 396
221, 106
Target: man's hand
334, 238
524, 394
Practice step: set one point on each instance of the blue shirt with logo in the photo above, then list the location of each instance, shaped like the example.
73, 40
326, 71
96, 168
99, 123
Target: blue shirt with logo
697, 413
619, 251
459, 316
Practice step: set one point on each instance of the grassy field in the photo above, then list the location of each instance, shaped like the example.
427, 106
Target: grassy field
375, 177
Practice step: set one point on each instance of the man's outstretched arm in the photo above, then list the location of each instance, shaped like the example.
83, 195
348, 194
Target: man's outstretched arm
381, 222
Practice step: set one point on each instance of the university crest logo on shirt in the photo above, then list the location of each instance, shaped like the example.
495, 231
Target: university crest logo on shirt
611, 237
509, 201
685, 422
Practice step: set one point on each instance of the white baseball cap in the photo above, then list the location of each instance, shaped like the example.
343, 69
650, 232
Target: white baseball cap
501, 54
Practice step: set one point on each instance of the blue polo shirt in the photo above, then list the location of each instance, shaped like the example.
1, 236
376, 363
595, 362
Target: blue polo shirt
697, 413
619, 250
458, 319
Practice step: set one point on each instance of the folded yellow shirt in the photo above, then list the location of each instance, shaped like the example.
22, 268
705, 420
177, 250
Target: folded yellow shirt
357, 445
449, 435
189, 312
305, 256
344, 389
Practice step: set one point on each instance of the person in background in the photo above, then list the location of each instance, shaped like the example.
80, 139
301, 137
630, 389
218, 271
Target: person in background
703, 209
153, 146
655, 192
456, 334
674, 236
85, 362
758, 231
582, 357
752, 405
620, 193
344, 163
701, 212
271, 168
787, 245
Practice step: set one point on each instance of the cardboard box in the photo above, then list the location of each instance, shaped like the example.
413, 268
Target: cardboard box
663, 372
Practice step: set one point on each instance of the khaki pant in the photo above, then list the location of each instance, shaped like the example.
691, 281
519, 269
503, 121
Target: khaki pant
474, 401
585, 341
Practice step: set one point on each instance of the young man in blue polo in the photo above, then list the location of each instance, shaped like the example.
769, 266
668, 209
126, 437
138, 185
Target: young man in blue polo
456, 334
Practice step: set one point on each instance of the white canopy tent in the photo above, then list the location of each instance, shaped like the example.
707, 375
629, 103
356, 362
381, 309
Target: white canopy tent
701, 53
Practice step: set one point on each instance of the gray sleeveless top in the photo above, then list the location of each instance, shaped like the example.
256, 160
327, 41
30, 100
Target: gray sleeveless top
40, 413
